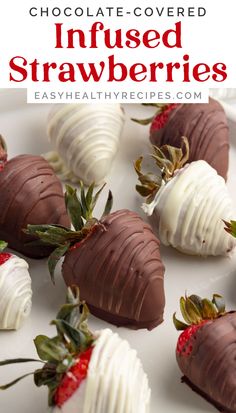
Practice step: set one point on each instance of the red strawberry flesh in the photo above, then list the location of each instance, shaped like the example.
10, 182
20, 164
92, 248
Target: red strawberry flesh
4, 256
161, 119
184, 344
73, 378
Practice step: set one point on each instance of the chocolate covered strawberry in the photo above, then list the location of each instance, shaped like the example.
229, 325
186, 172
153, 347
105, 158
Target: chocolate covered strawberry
15, 290
187, 202
30, 192
110, 259
206, 348
87, 372
204, 124
85, 138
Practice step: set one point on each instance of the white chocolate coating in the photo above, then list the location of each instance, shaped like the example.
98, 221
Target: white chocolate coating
15, 293
116, 382
188, 211
86, 139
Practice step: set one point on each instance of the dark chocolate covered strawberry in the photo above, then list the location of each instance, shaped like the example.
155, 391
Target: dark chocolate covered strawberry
30, 193
115, 261
86, 372
206, 349
205, 126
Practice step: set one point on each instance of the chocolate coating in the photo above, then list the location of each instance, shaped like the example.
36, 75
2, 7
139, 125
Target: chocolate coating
205, 126
30, 193
210, 368
119, 272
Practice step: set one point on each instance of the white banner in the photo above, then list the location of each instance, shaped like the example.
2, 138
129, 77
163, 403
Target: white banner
68, 51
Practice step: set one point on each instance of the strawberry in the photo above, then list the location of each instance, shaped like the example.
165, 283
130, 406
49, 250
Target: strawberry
109, 259
160, 118
187, 202
205, 126
85, 140
4, 256
72, 380
30, 193
205, 350
184, 347
15, 290
76, 361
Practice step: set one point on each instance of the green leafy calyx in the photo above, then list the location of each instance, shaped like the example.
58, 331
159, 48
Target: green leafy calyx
230, 227
168, 159
80, 210
160, 107
3, 153
60, 353
3, 245
195, 310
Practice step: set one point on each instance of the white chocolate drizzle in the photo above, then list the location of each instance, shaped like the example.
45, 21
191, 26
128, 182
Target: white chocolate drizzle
85, 138
188, 211
116, 382
15, 293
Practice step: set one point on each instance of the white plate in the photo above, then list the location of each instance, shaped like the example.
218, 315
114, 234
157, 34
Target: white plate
24, 129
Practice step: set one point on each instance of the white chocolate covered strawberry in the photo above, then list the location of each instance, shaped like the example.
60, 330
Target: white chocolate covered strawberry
15, 290
85, 138
115, 380
187, 203
85, 372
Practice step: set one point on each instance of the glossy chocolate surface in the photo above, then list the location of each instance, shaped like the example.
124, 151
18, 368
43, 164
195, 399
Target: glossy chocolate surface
119, 272
210, 368
30, 193
205, 126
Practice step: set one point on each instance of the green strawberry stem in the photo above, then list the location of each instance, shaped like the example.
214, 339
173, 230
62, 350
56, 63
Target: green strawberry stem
230, 227
161, 107
3, 246
3, 152
195, 310
59, 354
168, 159
18, 361
80, 209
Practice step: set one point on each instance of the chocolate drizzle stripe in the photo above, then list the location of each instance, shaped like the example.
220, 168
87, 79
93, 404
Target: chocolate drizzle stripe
123, 255
21, 219
11, 189
211, 130
56, 215
8, 187
142, 295
222, 145
205, 126
211, 366
136, 251
13, 168
206, 121
30, 194
119, 271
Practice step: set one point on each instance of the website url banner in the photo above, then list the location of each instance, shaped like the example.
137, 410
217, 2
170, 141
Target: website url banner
135, 96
